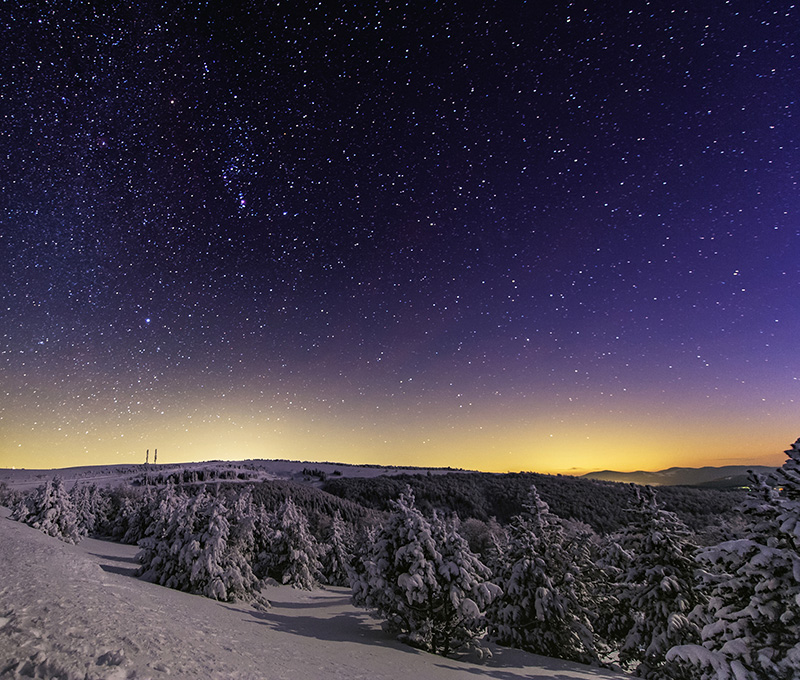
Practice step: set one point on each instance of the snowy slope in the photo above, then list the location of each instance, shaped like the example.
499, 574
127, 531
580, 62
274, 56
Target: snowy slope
113, 475
77, 612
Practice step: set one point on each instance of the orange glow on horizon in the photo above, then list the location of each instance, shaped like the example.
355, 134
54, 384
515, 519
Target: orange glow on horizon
492, 439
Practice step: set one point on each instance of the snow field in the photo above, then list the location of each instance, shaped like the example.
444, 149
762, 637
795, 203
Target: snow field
76, 611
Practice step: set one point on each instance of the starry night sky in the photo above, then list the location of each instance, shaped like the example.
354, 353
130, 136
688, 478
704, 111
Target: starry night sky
544, 236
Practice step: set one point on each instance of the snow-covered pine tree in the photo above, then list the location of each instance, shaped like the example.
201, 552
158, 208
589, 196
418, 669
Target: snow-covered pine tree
243, 525
787, 477
159, 555
219, 568
100, 504
658, 587
361, 566
752, 618
135, 514
612, 615
540, 609
336, 561
91, 507
458, 611
495, 553
79, 495
9, 497
205, 555
22, 506
242, 580
293, 553
400, 580
50, 510
187, 527
588, 556
422, 579
190, 549
263, 528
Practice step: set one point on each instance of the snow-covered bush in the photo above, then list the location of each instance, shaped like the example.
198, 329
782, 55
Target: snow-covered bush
542, 609
422, 579
658, 587
50, 509
752, 620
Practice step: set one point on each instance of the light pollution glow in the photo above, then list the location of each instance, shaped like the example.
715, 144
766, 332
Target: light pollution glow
492, 440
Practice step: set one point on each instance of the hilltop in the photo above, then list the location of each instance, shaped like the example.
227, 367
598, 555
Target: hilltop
727, 476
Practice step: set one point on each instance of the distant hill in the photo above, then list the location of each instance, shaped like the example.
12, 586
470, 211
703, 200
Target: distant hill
360, 493
251, 470
727, 476
485, 496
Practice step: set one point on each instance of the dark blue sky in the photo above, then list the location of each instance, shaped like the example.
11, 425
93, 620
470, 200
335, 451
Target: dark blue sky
509, 236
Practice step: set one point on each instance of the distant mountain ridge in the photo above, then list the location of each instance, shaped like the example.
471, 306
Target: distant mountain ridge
726, 476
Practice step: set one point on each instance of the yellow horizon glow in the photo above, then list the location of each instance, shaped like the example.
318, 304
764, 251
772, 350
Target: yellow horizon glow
490, 440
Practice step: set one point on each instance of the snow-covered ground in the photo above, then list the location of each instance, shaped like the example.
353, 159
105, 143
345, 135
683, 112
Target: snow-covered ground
112, 475
78, 612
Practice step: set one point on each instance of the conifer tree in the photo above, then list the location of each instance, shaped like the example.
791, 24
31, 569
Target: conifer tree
465, 591
336, 562
135, 515
589, 557
51, 510
190, 548
263, 530
361, 566
91, 507
612, 613
171, 519
243, 525
10, 497
206, 556
541, 610
401, 572
752, 620
22, 506
293, 553
422, 579
243, 583
5, 495
219, 568
658, 587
